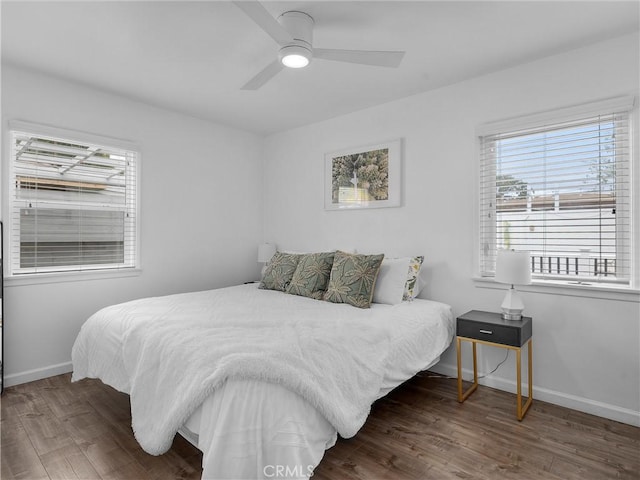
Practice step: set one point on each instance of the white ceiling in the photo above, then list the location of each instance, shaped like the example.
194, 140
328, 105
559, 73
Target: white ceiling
194, 56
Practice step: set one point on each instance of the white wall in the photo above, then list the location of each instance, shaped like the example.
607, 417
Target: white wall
200, 218
585, 349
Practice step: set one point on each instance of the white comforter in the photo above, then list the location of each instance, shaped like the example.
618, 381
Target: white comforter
176, 351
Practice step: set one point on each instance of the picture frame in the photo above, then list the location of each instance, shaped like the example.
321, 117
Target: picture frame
364, 177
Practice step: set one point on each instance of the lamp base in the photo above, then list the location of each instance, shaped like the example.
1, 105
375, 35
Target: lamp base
511, 316
512, 306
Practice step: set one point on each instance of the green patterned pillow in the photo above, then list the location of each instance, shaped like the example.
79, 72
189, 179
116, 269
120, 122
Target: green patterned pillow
353, 278
312, 275
411, 289
279, 271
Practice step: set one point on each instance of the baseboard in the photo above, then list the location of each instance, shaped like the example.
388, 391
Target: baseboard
581, 404
37, 374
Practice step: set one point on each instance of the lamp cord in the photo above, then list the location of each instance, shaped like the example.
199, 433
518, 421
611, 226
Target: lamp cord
497, 366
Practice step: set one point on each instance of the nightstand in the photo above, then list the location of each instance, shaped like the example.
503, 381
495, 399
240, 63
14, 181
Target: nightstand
489, 328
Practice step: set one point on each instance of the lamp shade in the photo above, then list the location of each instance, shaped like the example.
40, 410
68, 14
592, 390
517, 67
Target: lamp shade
265, 252
513, 267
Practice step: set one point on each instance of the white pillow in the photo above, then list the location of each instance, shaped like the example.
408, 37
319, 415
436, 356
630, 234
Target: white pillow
391, 281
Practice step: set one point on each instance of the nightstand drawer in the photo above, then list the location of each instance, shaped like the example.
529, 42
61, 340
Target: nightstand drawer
490, 327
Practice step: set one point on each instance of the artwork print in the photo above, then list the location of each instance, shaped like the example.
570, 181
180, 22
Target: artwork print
366, 177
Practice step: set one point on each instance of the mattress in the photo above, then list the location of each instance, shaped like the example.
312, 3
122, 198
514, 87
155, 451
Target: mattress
248, 427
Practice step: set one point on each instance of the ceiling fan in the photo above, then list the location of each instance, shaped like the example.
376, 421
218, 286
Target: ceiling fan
293, 31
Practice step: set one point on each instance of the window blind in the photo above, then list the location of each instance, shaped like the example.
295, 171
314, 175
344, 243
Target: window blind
562, 191
73, 205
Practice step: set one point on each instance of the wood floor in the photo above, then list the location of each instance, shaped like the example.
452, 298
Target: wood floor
54, 429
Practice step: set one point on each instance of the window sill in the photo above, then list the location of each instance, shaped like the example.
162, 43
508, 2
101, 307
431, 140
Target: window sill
59, 277
605, 292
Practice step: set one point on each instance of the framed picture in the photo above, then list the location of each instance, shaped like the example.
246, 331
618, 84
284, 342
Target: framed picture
364, 177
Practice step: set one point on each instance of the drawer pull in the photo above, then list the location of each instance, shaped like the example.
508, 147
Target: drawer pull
488, 332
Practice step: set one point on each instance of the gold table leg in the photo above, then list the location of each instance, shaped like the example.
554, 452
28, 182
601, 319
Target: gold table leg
522, 409
462, 396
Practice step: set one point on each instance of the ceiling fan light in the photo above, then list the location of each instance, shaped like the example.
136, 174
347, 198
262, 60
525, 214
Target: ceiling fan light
295, 61
295, 56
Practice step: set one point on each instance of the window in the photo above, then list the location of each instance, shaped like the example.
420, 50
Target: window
559, 186
73, 203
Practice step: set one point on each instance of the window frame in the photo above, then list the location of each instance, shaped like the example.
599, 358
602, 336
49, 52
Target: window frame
484, 227
70, 273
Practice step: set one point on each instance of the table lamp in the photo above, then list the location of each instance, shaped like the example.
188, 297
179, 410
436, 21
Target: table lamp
513, 268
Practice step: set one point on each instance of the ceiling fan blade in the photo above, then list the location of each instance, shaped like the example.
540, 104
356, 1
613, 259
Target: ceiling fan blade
364, 57
265, 21
264, 76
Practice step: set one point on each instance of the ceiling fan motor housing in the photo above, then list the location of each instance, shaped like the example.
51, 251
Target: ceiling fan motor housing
300, 26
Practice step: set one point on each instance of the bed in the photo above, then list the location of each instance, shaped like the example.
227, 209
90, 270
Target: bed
261, 381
